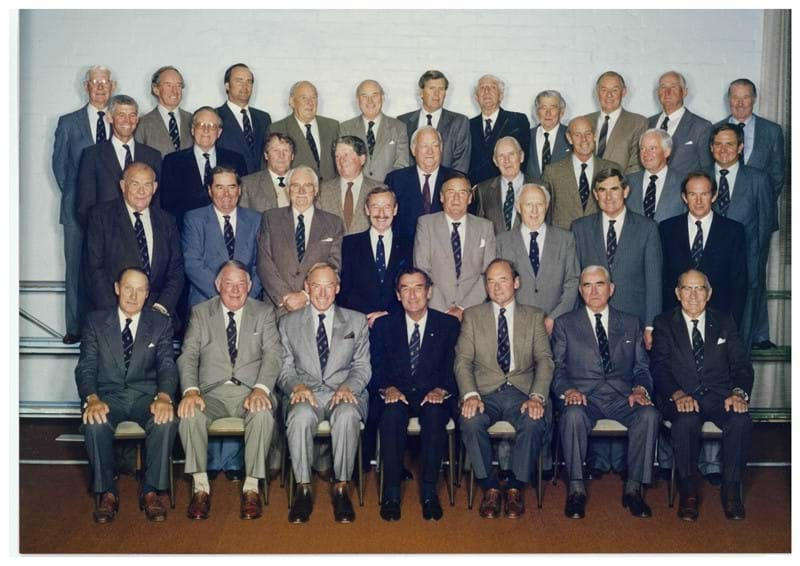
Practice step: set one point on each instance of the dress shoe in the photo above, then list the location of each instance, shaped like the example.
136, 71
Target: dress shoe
107, 509
153, 508
71, 338
576, 506
234, 475
714, 479
490, 504
732, 502
687, 507
302, 505
250, 505
547, 475
390, 510
515, 504
634, 502
406, 474
212, 474
199, 506
432, 509
764, 345
342, 507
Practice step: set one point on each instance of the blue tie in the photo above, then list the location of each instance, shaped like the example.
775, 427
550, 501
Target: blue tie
101, 128
312, 145
697, 347
650, 198
230, 239
583, 186
230, 331
247, 129
724, 200
380, 259
300, 238
503, 345
207, 172
697, 246
455, 241
127, 343
611, 242
508, 205
534, 253
173, 131
413, 349
602, 342
141, 239
322, 344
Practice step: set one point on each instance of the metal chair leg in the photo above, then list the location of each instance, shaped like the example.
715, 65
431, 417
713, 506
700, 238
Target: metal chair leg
360, 473
283, 460
556, 457
539, 483
671, 489
171, 484
379, 468
451, 482
291, 485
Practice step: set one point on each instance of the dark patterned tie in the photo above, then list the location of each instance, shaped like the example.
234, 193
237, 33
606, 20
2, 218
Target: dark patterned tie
207, 171
247, 129
300, 238
429, 117
508, 205
534, 253
281, 182
697, 246
230, 332
602, 342
601, 142
650, 197
347, 208
380, 259
611, 242
455, 241
413, 349
230, 239
487, 131
426, 195
698, 349
370, 138
174, 134
322, 344
312, 145
127, 343
100, 136
583, 186
740, 125
546, 155
128, 156
665, 123
724, 200
503, 344
141, 239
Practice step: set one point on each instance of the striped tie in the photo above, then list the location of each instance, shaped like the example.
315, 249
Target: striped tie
508, 205
371, 138
611, 242
503, 345
650, 197
601, 142
380, 259
247, 129
312, 145
724, 199
697, 246
127, 343
413, 349
455, 241
322, 344
602, 342
128, 156
300, 238
230, 239
230, 331
534, 253
101, 128
141, 239
583, 186
207, 171
174, 135
697, 347
546, 155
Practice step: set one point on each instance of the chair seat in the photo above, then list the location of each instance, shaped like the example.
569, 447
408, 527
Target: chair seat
502, 429
609, 427
129, 430
226, 426
414, 428
709, 430
324, 428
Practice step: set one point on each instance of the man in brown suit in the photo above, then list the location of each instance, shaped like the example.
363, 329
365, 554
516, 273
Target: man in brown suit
268, 188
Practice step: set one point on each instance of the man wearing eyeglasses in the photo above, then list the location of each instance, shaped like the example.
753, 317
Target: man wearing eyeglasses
166, 127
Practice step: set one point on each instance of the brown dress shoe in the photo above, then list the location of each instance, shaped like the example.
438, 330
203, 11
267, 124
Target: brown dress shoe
154, 510
688, 508
490, 504
515, 504
199, 506
250, 507
107, 509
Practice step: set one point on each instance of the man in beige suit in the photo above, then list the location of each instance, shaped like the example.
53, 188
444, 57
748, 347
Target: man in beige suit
346, 195
267, 188
570, 180
386, 137
167, 127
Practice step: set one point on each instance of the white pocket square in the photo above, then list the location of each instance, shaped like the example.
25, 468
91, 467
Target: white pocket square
721, 341
327, 240
151, 345
690, 142
627, 341
391, 142
483, 243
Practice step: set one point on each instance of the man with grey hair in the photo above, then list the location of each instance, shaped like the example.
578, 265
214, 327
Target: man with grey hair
268, 189
386, 137
166, 127
548, 142
656, 190
492, 124
313, 135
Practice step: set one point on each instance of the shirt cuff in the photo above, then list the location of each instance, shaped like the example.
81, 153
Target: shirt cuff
263, 387
472, 394
185, 391
538, 396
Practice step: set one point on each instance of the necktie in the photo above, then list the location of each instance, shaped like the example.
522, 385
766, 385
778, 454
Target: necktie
611, 242
128, 156
602, 342
247, 129
665, 123
697, 245
347, 208
380, 259
207, 171
312, 145
503, 345
426, 195
487, 130
370, 138
455, 241
127, 343
583, 186
601, 142
173, 131
724, 200
230, 239
101, 128
230, 332
280, 182
322, 344
141, 239
697, 347
508, 206
534, 253
413, 349
740, 125
650, 198
300, 238
546, 155
429, 117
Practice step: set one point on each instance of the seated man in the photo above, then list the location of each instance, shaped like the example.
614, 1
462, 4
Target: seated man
503, 367
235, 383
413, 382
710, 380
602, 373
126, 372
324, 377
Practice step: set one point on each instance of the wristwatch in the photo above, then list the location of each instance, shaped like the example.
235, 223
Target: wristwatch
741, 393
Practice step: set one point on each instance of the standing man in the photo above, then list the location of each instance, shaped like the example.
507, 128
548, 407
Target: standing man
453, 127
656, 190
267, 189
166, 127
548, 143
386, 137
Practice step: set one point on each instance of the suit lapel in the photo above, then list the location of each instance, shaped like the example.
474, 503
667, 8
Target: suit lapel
335, 341
522, 338
113, 338
110, 161
681, 335
518, 247
470, 249
599, 242
140, 344
615, 332
314, 234
215, 241
160, 244
246, 334
218, 328
287, 232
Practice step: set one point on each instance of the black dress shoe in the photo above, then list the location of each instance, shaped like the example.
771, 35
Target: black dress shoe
390, 510
406, 474
71, 338
732, 502
234, 475
302, 505
714, 479
636, 505
212, 474
432, 509
576, 506
343, 511
688, 507
764, 345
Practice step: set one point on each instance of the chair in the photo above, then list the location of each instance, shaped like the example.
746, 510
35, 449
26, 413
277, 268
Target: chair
603, 428
709, 431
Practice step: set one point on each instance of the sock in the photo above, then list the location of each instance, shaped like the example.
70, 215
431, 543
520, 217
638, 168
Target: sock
633, 487
513, 482
147, 488
576, 486
490, 482
201, 482
250, 484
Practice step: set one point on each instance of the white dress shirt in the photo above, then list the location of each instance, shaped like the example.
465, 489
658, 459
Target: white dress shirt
164, 112
282, 193
620, 222
201, 160
91, 111
146, 224
423, 118
509, 314
612, 121
410, 322
705, 223
237, 113
387, 243
134, 322
308, 216
661, 177
327, 323
431, 181
356, 190
733, 170
701, 324
577, 168
674, 120
552, 135
603, 321
314, 133
749, 134
526, 238
221, 220
117, 144
376, 124
492, 117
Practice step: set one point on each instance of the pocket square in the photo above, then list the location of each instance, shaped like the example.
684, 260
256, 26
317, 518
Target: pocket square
721, 341
391, 142
151, 345
690, 142
483, 243
326, 240
628, 341
349, 336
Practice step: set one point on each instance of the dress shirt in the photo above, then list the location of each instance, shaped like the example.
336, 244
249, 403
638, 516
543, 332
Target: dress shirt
410, 322
164, 112
356, 189
492, 117
552, 135
620, 222
701, 324
328, 323
510, 323
148, 227
221, 222
237, 113
134, 322
612, 121
674, 120
120, 151
462, 231
201, 160
733, 170
517, 183
662, 176
423, 118
749, 134
431, 181
705, 222
282, 193
91, 111
576, 169
387, 244
526, 239
376, 124
603, 321
314, 132
308, 216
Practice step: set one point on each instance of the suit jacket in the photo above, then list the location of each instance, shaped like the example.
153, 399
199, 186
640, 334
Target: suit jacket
433, 253
726, 364
111, 245
636, 271
454, 128
555, 288
622, 146
205, 362
204, 249
690, 142
721, 262
565, 200
99, 174
559, 149
233, 139
328, 132
476, 364
361, 290
73, 134
481, 164
101, 366
577, 355
330, 200
152, 131
278, 268
669, 202
182, 188
259, 192
407, 189
491, 195
391, 150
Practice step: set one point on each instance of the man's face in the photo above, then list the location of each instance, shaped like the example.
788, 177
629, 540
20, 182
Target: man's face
611, 196
381, 209
413, 294
304, 102
741, 101
501, 283
651, 154
132, 291
549, 112
206, 129
610, 93
671, 93
698, 197
233, 287
456, 196
726, 149
322, 288
581, 136
693, 293
279, 156
488, 95
169, 89
124, 120
100, 87
240, 86
370, 99
348, 162
433, 94
596, 290
427, 151
508, 159
224, 192
302, 190
138, 187
532, 207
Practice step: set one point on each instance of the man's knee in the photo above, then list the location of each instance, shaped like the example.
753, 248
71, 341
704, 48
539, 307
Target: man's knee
686, 423
739, 423
259, 418
573, 416
648, 416
345, 415
301, 417
474, 425
97, 431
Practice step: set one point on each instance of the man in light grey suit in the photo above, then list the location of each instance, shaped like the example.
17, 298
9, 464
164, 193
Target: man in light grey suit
346, 195
229, 366
656, 190
167, 127
386, 137
454, 247
618, 130
324, 376
313, 135
267, 189
548, 138
453, 126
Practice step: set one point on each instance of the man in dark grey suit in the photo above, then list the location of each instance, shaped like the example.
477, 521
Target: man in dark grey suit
548, 142
656, 190
454, 127
167, 127
268, 188
601, 371
126, 372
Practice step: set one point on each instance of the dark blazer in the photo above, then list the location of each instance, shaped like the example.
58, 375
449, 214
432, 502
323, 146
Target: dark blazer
405, 184
490, 195
101, 366
328, 132
721, 262
558, 150
181, 185
725, 365
690, 143
233, 139
454, 128
669, 203
99, 175
361, 290
111, 245
481, 164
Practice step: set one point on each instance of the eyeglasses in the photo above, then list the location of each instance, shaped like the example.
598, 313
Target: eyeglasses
206, 126
99, 82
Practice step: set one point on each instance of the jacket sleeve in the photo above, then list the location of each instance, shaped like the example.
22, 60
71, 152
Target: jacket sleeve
189, 360
561, 378
360, 368
465, 357
542, 357
167, 371
87, 368
174, 281
193, 244
569, 287
641, 365
270, 350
